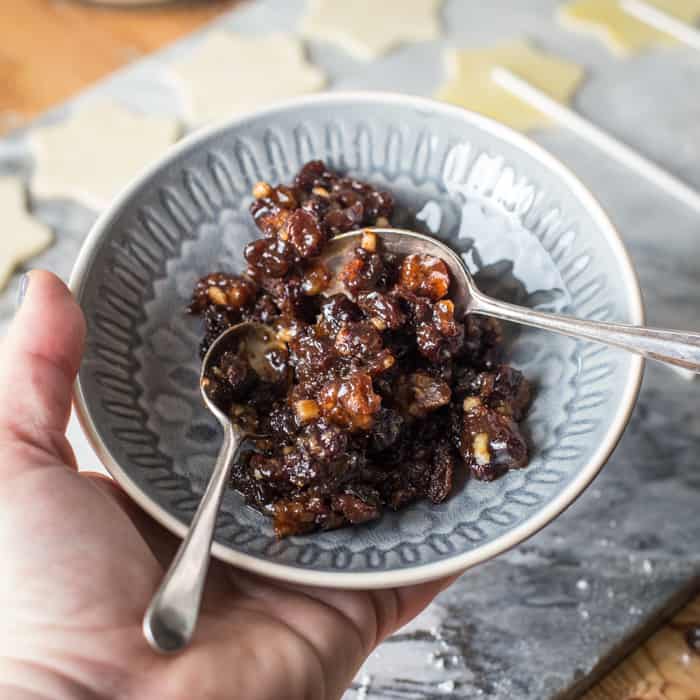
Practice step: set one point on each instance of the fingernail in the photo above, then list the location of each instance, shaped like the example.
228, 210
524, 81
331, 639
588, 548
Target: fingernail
22, 291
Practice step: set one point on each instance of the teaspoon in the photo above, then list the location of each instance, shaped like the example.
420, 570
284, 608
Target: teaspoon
170, 619
679, 348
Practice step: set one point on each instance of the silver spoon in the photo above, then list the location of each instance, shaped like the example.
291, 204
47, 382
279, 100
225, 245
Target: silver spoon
170, 620
678, 348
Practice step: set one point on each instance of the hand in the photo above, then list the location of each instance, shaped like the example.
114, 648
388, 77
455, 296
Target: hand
80, 563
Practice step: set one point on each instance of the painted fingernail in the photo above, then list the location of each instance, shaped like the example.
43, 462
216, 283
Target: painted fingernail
22, 291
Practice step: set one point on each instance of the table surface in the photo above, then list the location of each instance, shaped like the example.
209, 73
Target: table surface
42, 62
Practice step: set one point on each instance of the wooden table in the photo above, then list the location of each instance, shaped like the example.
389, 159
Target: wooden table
42, 62
45, 44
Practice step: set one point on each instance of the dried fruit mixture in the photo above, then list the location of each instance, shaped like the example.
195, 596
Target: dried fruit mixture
381, 395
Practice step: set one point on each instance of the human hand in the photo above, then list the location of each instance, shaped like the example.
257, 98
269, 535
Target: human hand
80, 563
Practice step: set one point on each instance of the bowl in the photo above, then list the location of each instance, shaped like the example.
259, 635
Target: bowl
524, 224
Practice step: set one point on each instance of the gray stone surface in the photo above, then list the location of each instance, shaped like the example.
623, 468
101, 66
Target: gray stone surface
545, 619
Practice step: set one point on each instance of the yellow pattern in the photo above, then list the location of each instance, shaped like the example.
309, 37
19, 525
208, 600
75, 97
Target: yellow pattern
624, 33
470, 84
23, 237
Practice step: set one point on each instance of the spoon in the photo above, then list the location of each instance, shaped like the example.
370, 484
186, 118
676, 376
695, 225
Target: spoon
678, 348
170, 620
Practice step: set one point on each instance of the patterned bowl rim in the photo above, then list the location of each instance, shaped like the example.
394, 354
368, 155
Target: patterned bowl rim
458, 563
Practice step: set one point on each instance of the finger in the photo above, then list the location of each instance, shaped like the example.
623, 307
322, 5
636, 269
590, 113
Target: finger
39, 359
333, 629
162, 543
412, 600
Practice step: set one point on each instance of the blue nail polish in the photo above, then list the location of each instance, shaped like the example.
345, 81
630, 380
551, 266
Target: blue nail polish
22, 291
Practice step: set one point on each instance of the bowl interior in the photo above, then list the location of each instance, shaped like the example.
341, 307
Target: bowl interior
527, 228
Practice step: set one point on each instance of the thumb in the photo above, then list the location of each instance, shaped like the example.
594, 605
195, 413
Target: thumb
39, 359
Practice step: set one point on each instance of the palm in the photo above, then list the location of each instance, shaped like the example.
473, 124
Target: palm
81, 564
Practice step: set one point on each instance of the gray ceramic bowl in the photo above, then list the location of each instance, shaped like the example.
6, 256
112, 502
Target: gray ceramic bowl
520, 218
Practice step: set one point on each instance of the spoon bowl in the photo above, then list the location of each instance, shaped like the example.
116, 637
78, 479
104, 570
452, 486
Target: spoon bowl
401, 242
678, 348
250, 340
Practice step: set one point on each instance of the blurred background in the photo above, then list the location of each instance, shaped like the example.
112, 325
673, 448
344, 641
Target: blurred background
50, 49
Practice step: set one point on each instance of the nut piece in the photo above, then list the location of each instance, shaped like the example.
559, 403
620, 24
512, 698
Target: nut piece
261, 190
217, 296
381, 221
306, 410
321, 192
315, 280
470, 403
387, 361
480, 448
378, 323
284, 334
369, 241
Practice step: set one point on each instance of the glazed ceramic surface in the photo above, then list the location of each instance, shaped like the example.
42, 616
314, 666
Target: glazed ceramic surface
526, 227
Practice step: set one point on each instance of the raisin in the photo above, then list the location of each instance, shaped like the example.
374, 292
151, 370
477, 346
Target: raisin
482, 340
379, 205
324, 441
511, 393
285, 197
315, 279
277, 362
338, 220
386, 429
337, 310
362, 272
281, 422
310, 175
235, 371
268, 216
425, 275
491, 443
358, 340
295, 517
354, 509
401, 497
317, 207
382, 307
440, 485
221, 289
430, 341
264, 310
304, 234
217, 320
271, 257
692, 638
467, 381
420, 394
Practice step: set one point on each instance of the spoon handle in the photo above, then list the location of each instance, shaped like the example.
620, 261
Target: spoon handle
678, 348
169, 622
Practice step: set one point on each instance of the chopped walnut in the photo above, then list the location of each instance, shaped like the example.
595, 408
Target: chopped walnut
369, 242
306, 410
221, 289
261, 190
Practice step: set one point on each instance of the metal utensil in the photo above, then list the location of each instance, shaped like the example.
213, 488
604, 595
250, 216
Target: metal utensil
679, 348
170, 620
